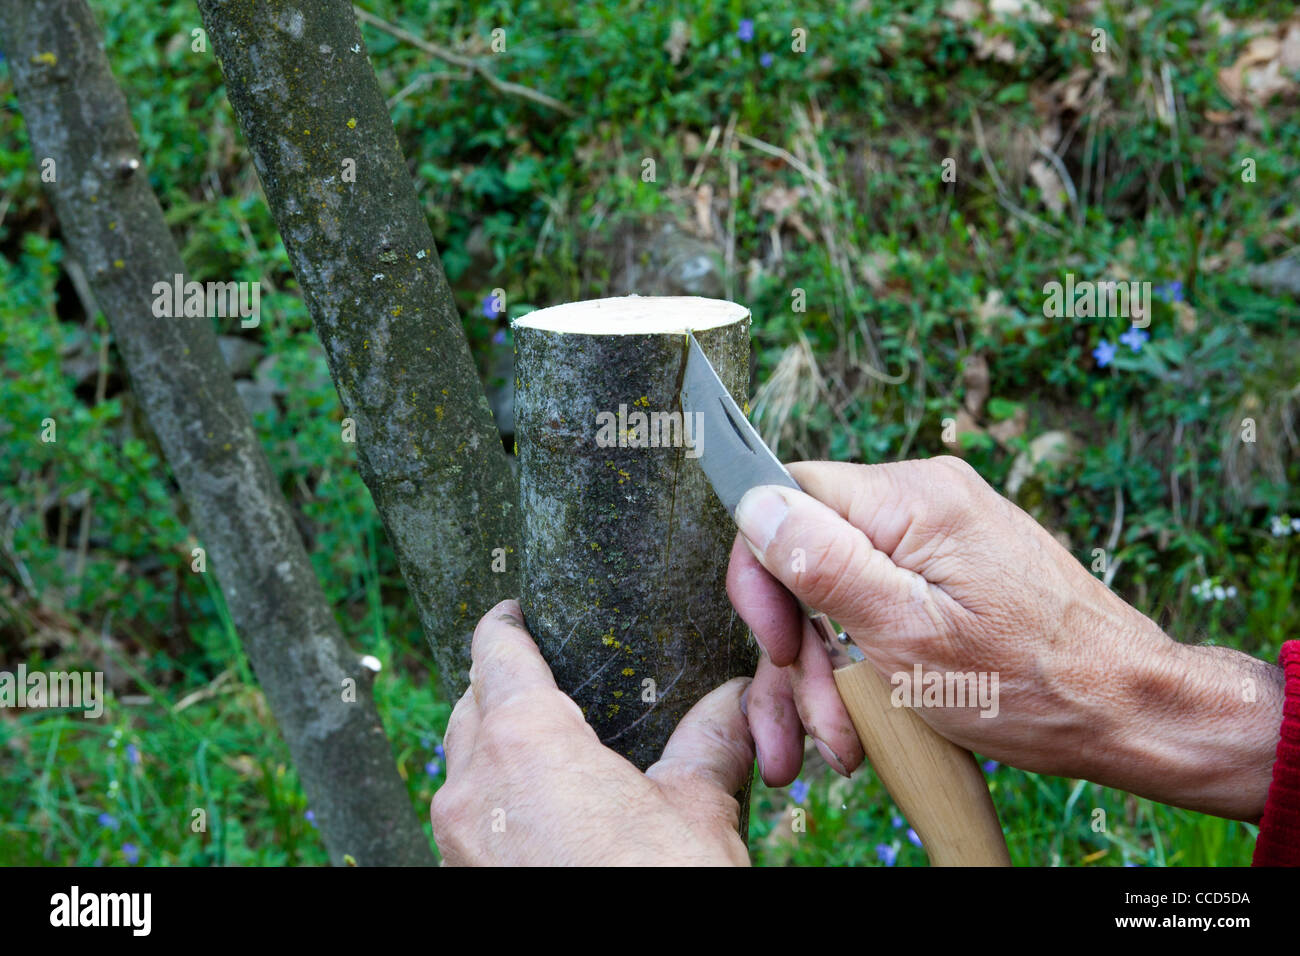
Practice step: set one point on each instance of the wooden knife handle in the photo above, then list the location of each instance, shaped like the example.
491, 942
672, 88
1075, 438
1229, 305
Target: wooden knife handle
936, 784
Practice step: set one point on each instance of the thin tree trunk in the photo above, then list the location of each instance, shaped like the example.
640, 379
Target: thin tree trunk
625, 548
76, 115
315, 120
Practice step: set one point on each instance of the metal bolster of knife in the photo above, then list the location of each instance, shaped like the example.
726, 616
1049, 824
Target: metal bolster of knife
839, 646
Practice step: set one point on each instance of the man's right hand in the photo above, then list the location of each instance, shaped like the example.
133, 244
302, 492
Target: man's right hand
921, 562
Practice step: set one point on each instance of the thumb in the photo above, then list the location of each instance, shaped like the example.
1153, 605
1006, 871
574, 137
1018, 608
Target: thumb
711, 746
825, 561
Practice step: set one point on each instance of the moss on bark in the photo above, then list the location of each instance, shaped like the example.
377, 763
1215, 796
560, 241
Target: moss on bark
338, 186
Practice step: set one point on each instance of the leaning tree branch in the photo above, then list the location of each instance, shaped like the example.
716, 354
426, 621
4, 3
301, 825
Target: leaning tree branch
334, 176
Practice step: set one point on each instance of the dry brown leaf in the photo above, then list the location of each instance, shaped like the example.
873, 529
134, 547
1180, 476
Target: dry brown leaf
679, 38
993, 48
965, 425
796, 220
1020, 10
975, 379
1006, 431
1231, 253
780, 199
963, 11
704, 210
1050, 451
1072, 89
873, 267
1264, 68
1290, 52
986, 314
1049, 184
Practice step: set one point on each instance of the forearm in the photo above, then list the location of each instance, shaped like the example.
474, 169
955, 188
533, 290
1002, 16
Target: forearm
1198, 729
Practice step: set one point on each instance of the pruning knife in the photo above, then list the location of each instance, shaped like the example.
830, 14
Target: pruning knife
937, 785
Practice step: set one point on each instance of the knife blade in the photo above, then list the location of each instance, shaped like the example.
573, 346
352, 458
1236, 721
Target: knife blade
936, 784
738, 459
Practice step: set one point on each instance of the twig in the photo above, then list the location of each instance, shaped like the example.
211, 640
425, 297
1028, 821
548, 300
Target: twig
1066, 180
447, 56
1003, 198
802, 167
1116, 527
704, 158
984, 153
421, 81
1171, 107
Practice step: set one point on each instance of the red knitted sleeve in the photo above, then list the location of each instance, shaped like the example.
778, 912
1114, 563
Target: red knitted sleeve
1279, 828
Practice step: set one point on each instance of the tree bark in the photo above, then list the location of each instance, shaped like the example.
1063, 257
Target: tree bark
625, 549
315, 120
111, 220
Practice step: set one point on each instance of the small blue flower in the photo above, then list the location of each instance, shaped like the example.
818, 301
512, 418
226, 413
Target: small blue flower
131, 852
1134, 338
426, 742
1170, 291
1131, 863
886, 854
499, 337
133, 753
310, 816
442, 754
765, 60
746, 31
108, 820
490, 307
799, 791
1104, 353
912, 837
896, 821
990, 766
433, 768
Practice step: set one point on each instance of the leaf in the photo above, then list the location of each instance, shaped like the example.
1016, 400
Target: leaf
1000, 409
519, 175
1015, 93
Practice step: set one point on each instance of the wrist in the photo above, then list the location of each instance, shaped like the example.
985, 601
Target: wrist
1197, 729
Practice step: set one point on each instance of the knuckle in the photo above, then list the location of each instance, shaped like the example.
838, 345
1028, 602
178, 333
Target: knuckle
955, 487
540, 712
957, 466
446, 810
834, 574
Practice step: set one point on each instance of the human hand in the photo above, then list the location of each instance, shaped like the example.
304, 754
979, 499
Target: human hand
921, 562
529, 783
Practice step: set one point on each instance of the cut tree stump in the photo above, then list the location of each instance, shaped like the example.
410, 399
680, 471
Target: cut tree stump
625, 545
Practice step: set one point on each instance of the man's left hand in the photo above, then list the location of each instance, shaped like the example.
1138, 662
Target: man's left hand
529, 782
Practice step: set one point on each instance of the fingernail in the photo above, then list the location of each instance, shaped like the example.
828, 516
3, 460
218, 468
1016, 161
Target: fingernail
760, 514
829, 756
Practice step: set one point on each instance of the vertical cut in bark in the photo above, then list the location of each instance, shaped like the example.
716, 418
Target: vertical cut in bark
625, 545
